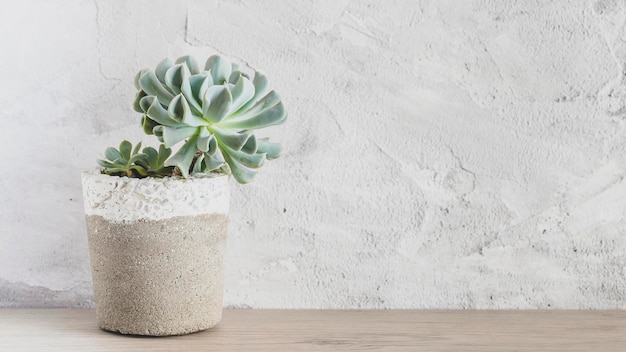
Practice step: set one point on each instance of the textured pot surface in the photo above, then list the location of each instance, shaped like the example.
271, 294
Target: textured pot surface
156, 248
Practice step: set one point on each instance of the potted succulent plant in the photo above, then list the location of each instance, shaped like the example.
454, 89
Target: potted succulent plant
157, 218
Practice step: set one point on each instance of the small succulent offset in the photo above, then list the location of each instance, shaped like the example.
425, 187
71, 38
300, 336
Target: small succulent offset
214, 113
127, 161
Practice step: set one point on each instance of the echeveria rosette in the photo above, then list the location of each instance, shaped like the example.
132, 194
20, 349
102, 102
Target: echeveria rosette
214, 112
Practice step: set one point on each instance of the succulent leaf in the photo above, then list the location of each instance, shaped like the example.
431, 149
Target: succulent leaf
137, 157
148, 124
163, 154
220, 68
212, 164
214, 161
178, 108
218, 100
233, 140
161, 69
271, 150
125, 149
180, 111
136, 149
274, 115
158, 132
136, 105
204, 142
261, 86
183, 158
250, 146
151, 85
213, 148
270, 100
156, 112
191, 91
173, 135
242, 93
145, 101
197, 164
112, 154
175, 76
138, 75
253, 161
151, 153
104, 163
190, 62
241, 173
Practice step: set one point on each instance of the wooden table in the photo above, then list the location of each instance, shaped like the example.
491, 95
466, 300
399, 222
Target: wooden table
331, 330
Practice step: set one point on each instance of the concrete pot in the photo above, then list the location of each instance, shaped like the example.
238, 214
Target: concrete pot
156, 248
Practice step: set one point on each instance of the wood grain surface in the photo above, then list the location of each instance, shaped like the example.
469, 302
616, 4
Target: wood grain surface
331, 330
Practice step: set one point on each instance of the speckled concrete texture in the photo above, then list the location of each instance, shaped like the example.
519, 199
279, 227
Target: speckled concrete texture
158, 277
438, 154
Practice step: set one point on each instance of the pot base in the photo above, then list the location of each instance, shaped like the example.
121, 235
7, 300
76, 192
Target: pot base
158, 277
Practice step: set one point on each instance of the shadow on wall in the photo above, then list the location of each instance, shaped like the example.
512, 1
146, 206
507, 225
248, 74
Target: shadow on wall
19, 294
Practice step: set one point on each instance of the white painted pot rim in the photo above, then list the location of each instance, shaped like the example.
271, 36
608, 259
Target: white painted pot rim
123, 199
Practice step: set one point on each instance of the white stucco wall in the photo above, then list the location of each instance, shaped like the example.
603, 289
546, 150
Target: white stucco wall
439, 154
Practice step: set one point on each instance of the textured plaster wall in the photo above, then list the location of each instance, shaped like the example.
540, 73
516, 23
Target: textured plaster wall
439, 154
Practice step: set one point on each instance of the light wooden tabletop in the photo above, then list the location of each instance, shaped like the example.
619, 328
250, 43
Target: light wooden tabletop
331, 330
